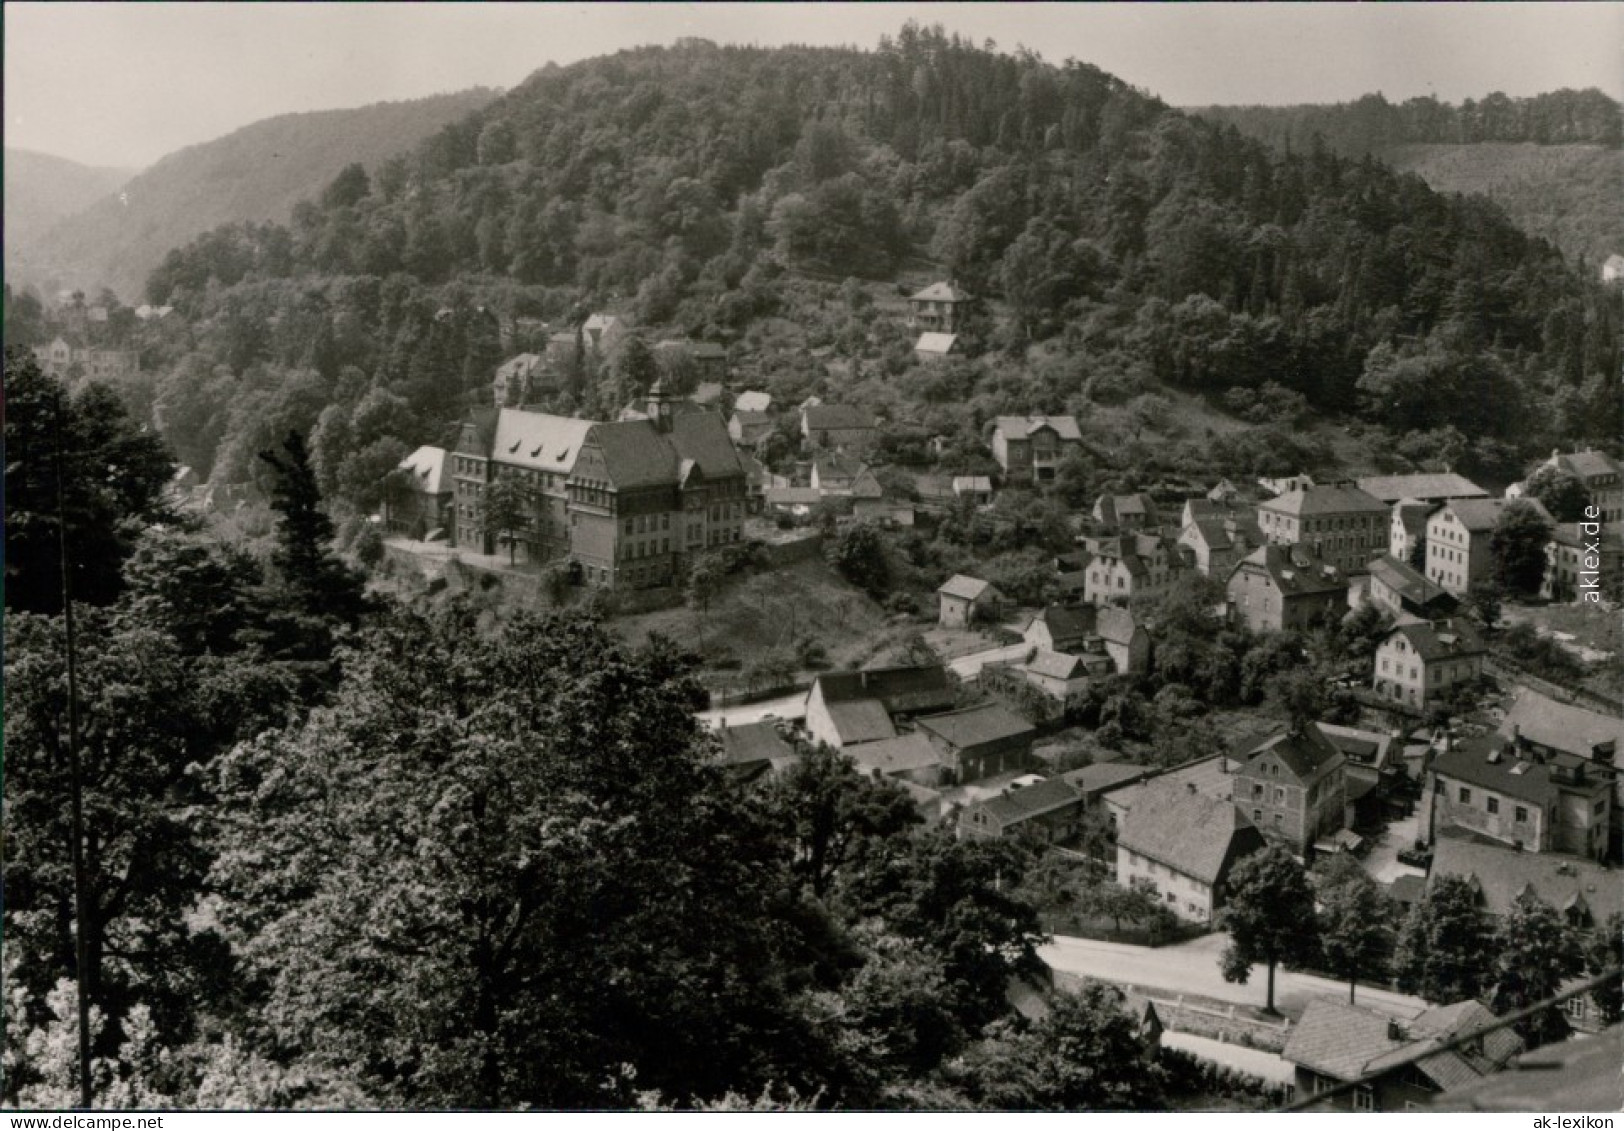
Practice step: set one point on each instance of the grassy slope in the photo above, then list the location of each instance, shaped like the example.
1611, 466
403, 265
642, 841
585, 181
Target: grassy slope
1570, 194
757, 614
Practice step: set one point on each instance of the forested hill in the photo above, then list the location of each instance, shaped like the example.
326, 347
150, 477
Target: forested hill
1127, 249
256, 173
1554, 162
40, 190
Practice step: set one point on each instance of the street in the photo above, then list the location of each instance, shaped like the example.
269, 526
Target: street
1192, 968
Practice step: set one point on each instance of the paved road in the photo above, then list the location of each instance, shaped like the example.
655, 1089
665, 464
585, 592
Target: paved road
785, 707
1266, 1065
968, 667
1192, 968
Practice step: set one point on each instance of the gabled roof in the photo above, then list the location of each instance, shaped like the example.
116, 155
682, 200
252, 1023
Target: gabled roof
1350, 1042
837, 416
477, 434
1211, 776
1480, 515
968, 588
861, 720
1445, 485
638, 454
427, 467
898, 687
1056, 665
1067, 622
835, 463
753, 400
1325, 499
864, 485
976, 726
1021, 427
1441, 640
707, 393
1307, 753
1101, 776
600, 322
1493, 763
1294, 570
1138, 503
896, 755
1183, 828
934, 341
974, 484
749, 744
940, 292
1226, 531
1587, 464
538, 440
1408, 582
1560, 726
1500, 874
1016, 805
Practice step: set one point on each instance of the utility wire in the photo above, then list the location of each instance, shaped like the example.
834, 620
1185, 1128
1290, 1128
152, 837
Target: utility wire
1510, 1019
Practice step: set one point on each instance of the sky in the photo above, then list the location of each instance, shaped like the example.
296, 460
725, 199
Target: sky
122, 84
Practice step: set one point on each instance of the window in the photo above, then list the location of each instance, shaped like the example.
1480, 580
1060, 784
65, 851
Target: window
1574, 1007
1364, 1099
1257, 816
1279, 821
1465, 795
1257, 792
1493, 804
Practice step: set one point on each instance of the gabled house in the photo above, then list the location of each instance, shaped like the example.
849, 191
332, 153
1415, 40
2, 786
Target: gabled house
1125, 512
1125, 566
1183, 843
1458, 536
1407, 531
980, 741
963, 601
1577, 560
1060, 674
1400, 1065
1419, 660
753, 400
522, 378
536, 449
1218, 543
939, 306
1345, 526
1275, 588
708, 358
604, 332
839, 427
1497, 788
977, 489
1400, 589
1088, 630
1293, 786
1049, 811
1030, 449
423, 504
749, 428
845, 708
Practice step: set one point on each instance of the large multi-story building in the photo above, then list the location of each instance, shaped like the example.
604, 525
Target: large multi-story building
1293, 788
1132, 565
61, 359
627, 503
1030, 449
1343, 525
1276, 588
1601, 474
1458, 537
1507, 791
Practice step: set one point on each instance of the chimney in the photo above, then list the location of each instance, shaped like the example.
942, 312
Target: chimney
659, 407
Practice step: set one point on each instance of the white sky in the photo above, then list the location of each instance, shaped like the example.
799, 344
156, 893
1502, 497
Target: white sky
125, 83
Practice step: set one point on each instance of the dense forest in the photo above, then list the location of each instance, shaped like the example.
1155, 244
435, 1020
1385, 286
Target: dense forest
1126, 251
1553, 162
40, 190
1372, 123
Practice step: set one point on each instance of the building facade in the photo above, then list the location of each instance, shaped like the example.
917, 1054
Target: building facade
1343, 525
1029, 449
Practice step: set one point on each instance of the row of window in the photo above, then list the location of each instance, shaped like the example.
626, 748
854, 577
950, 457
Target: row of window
1491, 803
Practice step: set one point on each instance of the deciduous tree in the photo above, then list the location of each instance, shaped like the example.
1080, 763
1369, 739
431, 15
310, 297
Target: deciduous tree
1445, 948
1269, 915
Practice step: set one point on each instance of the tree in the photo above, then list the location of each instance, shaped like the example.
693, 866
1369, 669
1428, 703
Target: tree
1356, 933
1535, 951
1269, 915
1561, 493
1085, 1054
1604, 951
507, 511
508, 870
1300, 694
1445, 949
1483, 602
858, 555
112, 484
1517, 547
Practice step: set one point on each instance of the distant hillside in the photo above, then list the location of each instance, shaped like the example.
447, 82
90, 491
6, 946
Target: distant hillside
257, 173
41, 190
1553, 162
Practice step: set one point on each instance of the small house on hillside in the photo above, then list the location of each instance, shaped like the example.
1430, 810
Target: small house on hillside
935, 346
420, 503
976, 488
838, 426
964, 601
939, 306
